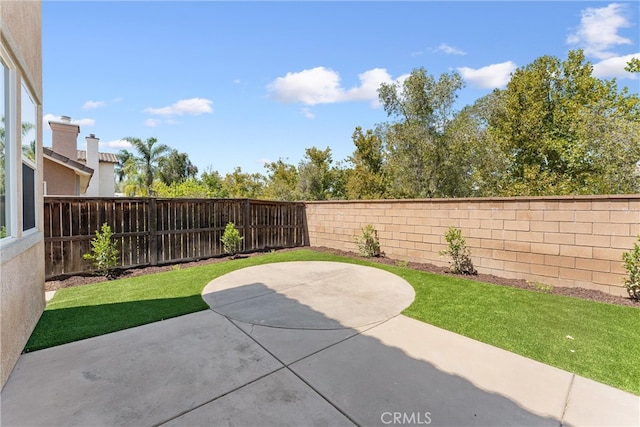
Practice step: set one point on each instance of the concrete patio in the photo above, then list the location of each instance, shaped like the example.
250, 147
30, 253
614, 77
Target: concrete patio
300, 344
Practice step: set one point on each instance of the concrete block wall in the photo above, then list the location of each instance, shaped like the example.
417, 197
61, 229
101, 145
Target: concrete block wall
563, 241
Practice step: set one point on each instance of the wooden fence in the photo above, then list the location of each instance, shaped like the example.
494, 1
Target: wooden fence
150, 231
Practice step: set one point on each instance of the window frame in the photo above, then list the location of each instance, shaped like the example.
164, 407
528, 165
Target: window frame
26, 161
10, 142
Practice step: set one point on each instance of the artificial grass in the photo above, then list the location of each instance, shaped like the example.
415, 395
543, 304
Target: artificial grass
603, 345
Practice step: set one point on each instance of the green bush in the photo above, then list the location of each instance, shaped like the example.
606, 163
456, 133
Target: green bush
459, 253
231, 239
368, 242
104, 253
631, 262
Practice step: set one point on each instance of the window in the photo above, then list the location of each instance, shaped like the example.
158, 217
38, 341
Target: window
19, 176
4, 100
28, 140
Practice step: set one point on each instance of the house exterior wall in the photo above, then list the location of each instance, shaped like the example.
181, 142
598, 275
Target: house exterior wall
60, 180
107, 180
562, 241
22, 253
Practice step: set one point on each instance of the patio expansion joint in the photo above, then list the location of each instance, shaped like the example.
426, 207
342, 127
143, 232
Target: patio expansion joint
218, 397
567, 400
287, 366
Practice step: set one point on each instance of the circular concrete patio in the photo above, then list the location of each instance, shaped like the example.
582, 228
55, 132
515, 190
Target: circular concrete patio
309, 295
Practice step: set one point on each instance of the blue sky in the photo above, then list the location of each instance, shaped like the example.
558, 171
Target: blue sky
243, 83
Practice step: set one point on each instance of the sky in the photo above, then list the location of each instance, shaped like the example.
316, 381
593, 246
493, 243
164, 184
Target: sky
241, 84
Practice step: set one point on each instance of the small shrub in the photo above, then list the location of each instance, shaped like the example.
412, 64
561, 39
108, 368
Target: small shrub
231, 240
541, 286
459, 253
104, 253
3, 232
631, 262
368, 242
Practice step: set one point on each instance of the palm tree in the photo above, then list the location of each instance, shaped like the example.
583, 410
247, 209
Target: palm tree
149, 156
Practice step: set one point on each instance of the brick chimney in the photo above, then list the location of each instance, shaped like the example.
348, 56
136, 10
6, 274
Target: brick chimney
64, 137
93, 161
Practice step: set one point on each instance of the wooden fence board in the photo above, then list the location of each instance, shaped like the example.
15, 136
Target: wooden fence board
150, 231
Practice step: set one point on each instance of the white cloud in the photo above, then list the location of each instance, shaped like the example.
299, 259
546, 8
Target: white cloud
52, 117
598, 30
90, 105
449, 50
152, 122
118, 143
192, 107
321, 85
308, 113
614, 67
315, 86
84, 122
417, 53
489, 77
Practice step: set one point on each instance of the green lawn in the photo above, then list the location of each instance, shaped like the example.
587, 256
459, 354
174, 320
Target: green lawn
604, 343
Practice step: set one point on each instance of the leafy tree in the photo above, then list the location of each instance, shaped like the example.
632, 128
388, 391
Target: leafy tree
189, 188
318, 180
214, 183
567, 132
176, 168
480, 160
242, 185
418, 141
633, 66
281, 182
149, 155
129, 177
366, 179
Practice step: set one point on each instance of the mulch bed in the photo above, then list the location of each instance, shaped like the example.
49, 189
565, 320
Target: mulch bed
589, 294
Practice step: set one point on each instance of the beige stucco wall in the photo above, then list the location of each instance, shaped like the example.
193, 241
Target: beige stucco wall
565, 241
22, 256
22, 300
60, 180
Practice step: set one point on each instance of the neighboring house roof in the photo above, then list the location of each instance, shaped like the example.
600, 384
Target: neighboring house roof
102, 157
84, 172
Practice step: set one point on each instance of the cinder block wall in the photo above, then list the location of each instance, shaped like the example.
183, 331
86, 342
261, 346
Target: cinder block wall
562, 241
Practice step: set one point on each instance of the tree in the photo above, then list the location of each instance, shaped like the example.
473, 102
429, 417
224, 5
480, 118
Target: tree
129, 178
417, 142
567, 132
149, 155
242, 185
176, 167
214, 183
281, 181
366, 179
317, 178
189, 188
480, 160
633, 66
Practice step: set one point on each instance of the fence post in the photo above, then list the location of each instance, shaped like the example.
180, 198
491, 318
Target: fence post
247, 225
153, 231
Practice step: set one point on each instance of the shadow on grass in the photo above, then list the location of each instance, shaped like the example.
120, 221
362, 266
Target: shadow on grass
64, 325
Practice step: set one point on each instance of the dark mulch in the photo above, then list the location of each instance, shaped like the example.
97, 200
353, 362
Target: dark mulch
589, 294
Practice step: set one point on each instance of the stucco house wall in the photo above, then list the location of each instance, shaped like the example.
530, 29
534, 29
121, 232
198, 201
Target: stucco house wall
59, 179
22, 252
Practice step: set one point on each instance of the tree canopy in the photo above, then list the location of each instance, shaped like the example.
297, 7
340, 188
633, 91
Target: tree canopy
555, 129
